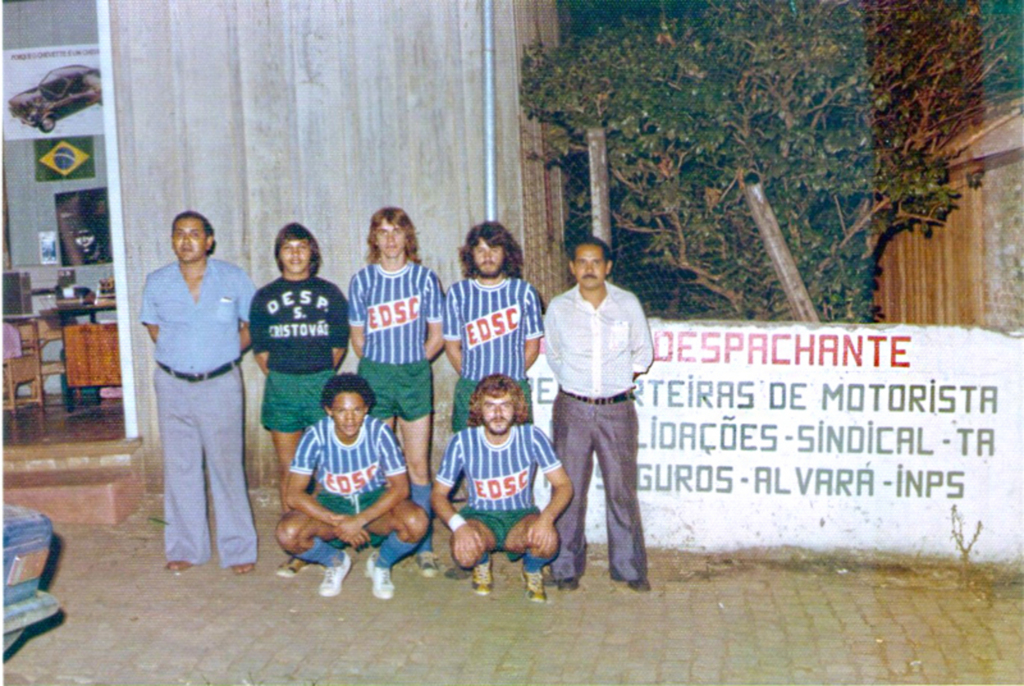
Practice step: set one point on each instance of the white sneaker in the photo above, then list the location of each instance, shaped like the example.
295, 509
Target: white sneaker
371, 562
333, 576
382, 586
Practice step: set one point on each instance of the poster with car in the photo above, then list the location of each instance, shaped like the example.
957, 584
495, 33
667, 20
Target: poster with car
50, 92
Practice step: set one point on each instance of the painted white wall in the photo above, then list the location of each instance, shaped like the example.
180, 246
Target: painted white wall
734, 426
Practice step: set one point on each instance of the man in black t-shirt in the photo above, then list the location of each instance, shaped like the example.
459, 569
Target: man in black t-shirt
299, 326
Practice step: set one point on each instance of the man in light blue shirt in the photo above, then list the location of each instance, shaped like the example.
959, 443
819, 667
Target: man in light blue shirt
197, 313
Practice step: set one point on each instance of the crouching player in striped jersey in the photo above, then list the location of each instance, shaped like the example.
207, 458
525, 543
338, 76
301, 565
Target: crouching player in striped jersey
395, 319
363, 494
499, 454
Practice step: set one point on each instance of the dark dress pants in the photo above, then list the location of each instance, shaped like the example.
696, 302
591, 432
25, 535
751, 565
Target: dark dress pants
580, 430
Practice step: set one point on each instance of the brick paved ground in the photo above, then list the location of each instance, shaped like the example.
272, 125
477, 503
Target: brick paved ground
782, 617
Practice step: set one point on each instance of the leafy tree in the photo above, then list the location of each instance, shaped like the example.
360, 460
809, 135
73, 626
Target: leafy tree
773, 91
935, 68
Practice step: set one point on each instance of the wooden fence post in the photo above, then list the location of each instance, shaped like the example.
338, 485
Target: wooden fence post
600, 205
774, 242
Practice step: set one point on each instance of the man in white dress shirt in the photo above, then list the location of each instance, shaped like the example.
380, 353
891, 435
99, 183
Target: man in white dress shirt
598, 342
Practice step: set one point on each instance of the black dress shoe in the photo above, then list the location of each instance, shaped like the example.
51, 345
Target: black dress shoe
570, 584
639, 585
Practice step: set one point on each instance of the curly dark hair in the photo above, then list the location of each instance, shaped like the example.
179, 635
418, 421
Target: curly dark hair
347, 383
496, 386
298, 232
396, 217
495, 235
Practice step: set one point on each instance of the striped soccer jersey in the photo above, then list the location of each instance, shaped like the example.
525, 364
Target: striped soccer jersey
498, 478
349, 470
493, 323
393, 309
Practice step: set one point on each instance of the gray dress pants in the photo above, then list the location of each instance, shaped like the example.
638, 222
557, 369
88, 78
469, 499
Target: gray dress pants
196, 420
580, 430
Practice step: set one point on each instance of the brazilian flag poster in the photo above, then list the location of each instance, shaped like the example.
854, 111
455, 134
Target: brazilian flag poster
64, 159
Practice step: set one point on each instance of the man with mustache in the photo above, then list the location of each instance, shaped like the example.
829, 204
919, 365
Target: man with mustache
499, 454
598, 342
197, 313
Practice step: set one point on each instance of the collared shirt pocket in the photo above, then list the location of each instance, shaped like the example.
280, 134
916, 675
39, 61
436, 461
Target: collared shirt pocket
618, 336
226, 309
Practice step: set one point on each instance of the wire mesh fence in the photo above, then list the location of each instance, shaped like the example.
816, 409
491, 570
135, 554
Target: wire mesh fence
664, 292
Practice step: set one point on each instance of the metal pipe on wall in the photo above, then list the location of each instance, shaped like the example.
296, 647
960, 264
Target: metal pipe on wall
490, 146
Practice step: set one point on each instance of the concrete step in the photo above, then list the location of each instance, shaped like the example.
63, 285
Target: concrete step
94, 495
19, 456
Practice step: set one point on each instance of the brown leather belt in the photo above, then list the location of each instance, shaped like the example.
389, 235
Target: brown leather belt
613, 400
193, 378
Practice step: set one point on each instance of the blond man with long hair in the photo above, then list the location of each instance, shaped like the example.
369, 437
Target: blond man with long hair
395, 312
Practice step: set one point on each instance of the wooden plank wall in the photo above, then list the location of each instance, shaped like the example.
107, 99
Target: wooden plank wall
956, 277
937, 280
262, 112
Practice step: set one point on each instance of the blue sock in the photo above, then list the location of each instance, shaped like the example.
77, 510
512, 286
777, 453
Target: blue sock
484, 559
392, 550
323, 554
532, 564
420, 494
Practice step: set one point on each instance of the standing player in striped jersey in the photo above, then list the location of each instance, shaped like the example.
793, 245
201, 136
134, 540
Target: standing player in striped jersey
395, 322
499, 454
492, 319
363, 495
